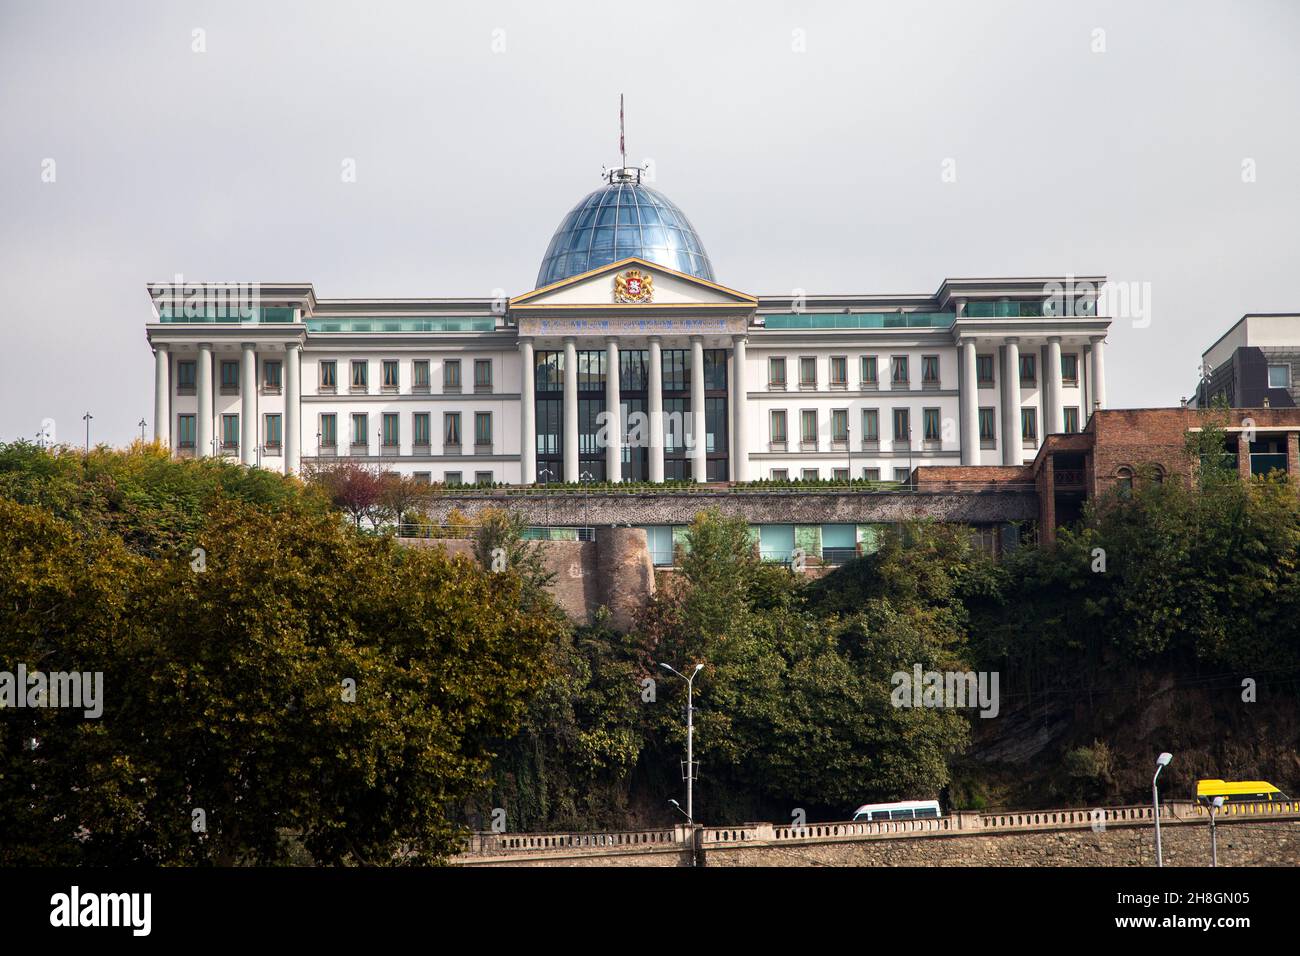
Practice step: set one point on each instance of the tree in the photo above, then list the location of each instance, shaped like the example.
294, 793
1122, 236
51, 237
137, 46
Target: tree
355, 489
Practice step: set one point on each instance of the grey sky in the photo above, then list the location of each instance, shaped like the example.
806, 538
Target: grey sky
818, 170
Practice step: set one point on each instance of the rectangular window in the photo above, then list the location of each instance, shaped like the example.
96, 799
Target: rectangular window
676, 370
777, 426
420, 375
840, 474
272, 428
929, 371
482, 477
591, 371
185, 431
988, 427
1028, 370
185, 373
1071, 420
482, 375
869, 373
328, 375
984, 371
271, 374
902, 426
360, 375
229, 378
423, 477
870, 426
715, 426
548, 374
898, 377
550, 434
901, 475
1279, 376
452, 478
807, 372
360, 430
776, 372
483, 430
839, 371
930, 428
390, 429
390, 379
715, 370
420, 429
229, 431
1029, 426
808, 427
870, 474
451, 375
810, 474
780, 474
840, 426
329, 437
1069, 369
451, 430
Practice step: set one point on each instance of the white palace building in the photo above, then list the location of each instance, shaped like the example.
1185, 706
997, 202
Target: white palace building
626, 312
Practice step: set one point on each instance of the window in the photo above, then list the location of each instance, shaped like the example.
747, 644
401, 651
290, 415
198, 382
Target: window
988, 428
482, 375
360, 435
482, 477
1071, 420
776, 372
1028, 370
869, 379
870, 426
1124, 481
810, 474
329, 430
901, 475
229, 378
780, 474
451, 375
870, 474
929, 371
1069, 369
390, 429
229, 431
1029, 426
483, 430
272, 430
271, 374
548, 376
452, 478
984, 371
840, 426
902, 426
360, 375
898, 376
930, 429
185, 372
185, 429
420, 375
328, 375
1279, 376
807, 372
390, 379
451, 430
776, 427
839, 371
715, 370
840, 474
808, 428
420, 429
423, 477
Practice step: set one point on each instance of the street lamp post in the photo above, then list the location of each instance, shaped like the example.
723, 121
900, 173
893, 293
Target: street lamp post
87, 418
141, 423
1161, 762
1216, 804
690, 736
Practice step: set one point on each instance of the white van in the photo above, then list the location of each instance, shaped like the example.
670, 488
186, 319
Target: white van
903, 810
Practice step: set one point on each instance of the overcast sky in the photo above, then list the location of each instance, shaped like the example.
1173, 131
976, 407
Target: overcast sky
807, 142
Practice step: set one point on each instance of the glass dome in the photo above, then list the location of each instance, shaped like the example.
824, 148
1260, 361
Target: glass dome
624, 218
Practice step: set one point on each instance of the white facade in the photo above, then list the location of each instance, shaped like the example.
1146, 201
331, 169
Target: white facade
526, 378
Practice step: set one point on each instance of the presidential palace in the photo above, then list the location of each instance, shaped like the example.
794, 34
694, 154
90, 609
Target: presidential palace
711, 384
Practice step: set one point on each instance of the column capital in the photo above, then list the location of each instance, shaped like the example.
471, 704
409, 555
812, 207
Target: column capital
697, 338
1012, 340
1054, 339
740, 338
611, 340
570, 340
292, 346
1097, 339
656, 339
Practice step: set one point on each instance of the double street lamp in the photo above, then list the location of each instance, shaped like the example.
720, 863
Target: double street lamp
690, 740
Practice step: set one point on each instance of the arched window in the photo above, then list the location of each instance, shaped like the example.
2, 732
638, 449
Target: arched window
1124, 480
1158, 474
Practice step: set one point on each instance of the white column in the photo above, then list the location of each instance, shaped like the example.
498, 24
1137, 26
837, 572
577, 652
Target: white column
1055, 408
699, 450
1012, 450
248, 405
969, 401
739, 439
527, 416
613, 414
1098, 372
655, 403
162, 414
570, 409
292, 409
203, 390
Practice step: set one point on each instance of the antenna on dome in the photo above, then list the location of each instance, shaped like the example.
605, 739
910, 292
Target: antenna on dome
624, 174
622, 145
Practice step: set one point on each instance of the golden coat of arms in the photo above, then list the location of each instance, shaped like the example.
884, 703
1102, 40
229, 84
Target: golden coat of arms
632, 286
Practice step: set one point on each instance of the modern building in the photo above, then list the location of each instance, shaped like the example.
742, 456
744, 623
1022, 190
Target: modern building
627, 312
1255, 363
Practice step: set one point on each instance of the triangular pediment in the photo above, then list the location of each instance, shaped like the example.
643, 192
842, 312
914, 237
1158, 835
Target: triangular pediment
620, 284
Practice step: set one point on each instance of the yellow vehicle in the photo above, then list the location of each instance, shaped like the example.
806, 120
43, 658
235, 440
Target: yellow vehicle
1238, 791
